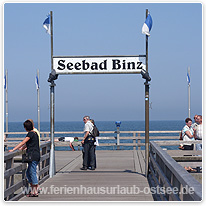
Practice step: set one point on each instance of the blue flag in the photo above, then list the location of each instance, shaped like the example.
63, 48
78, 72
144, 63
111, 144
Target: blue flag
147, 25
46, 24
5, 82
37, 82
188, 78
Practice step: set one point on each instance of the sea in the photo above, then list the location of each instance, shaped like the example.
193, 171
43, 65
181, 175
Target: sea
168, 125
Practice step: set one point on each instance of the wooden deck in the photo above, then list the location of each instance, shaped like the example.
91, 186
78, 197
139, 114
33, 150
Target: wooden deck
117, 171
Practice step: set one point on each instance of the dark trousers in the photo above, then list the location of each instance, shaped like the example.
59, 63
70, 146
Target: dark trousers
89, 154
95, 161
188, 147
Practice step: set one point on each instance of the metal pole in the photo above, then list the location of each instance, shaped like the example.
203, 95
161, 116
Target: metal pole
51, 25
118, 141
7, 114
146, 112
188, 70
52, 169
38, 101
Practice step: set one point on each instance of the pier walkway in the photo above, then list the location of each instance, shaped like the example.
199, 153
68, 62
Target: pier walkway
119, 176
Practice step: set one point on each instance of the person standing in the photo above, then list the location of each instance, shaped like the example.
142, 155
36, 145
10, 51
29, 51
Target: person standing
196, 123
96, 143
88, 145
198, 135
188, 134
31, 142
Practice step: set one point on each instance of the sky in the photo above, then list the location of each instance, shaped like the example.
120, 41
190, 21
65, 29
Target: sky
103, 29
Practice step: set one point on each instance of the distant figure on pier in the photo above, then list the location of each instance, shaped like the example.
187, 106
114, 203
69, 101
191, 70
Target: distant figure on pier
198, 134
31, 142
196, 123
5, 146
188, 135
88, 145
67, 139
96, 143
181, 138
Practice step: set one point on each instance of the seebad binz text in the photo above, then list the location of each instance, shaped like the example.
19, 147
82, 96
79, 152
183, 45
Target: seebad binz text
115, 64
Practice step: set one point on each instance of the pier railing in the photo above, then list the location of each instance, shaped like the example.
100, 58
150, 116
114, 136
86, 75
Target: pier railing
164, 170
106, 138
173, 181
15, 172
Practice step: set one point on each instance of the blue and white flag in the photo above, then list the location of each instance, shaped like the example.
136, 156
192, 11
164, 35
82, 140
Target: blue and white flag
188, 79
5, 82
147, 25
46, 24
37, 82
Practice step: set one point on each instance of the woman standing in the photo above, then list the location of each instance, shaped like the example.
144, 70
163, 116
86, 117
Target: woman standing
188, 135
31, 142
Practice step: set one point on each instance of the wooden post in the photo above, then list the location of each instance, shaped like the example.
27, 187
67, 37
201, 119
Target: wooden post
134, 141
139, 141
10, 180
44, 151
25, 185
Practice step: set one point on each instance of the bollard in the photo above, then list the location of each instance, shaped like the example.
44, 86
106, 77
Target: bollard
118, 123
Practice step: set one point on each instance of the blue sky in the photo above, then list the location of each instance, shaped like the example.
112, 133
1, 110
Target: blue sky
103, 29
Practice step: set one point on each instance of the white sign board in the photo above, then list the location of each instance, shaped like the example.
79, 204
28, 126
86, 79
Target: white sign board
98, 65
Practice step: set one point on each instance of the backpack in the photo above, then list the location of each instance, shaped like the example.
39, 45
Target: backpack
95, 131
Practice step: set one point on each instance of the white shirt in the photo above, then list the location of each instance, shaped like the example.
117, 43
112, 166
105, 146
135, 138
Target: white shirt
96, 142
185, 137
69, 139
88, 127
199, 132
194, 125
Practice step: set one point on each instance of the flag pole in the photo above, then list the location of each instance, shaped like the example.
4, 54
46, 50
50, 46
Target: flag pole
38, 100
52, 169
188, 71
146, 111
6, 97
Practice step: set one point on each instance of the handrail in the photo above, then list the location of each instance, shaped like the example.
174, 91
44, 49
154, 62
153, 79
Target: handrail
12, 187
10, 155
161, 165
107, 137
169, 174
102, 132
136, 137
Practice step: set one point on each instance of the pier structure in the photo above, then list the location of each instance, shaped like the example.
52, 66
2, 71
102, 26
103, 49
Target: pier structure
119, 176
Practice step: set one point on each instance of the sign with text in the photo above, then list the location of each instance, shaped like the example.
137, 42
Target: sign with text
98, 65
